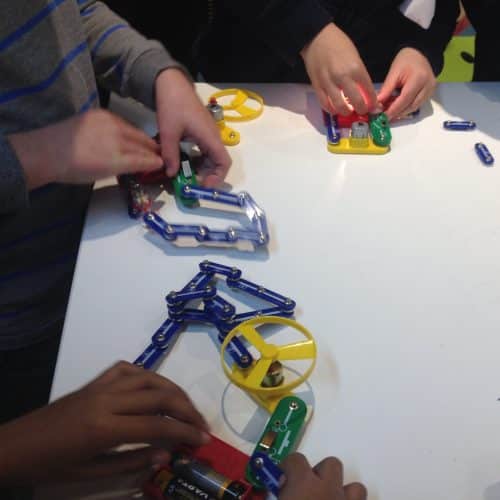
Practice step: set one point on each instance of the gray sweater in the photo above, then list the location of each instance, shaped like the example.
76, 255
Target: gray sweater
51, 53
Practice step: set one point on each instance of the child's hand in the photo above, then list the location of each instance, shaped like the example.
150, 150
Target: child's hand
84, 148
334, 66
181, 115
323, 482
70, 438
411, 72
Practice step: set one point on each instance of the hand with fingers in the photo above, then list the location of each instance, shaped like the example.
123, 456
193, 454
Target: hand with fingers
72, 437
325, 481
181, 115
411, 72
336, 70
84, 148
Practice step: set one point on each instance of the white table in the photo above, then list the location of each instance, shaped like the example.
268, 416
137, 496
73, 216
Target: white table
394, 262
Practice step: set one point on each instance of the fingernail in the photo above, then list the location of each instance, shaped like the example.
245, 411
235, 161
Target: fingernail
282, 480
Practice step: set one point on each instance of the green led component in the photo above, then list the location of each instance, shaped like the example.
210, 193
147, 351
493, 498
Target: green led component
381, 132
281, 433
185, 177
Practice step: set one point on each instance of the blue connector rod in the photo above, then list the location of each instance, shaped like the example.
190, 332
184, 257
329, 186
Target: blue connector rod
331, 132
149, 357
484, 154
459, 125
263, 293
212, 267
166, 333
174, 298
271, 311
220, 307
200, 193
266, 471
237, 350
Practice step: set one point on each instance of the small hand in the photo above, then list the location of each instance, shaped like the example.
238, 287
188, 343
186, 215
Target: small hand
72, 437
83, 149
322, 482
411, 72
335, 68
181, 115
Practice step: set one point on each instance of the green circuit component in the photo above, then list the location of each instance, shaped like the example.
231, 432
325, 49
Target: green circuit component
281, 433
185, 177
381, 132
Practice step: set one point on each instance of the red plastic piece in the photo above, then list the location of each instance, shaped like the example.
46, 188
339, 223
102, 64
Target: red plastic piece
223, 458
347, 121
154, 177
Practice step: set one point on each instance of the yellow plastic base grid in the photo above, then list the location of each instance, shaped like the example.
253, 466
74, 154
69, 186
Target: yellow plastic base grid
345, 147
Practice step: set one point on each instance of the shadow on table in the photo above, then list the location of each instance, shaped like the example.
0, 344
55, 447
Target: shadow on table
464, 109
492, 492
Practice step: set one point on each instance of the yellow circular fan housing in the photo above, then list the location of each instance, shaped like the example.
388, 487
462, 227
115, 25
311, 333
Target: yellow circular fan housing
250, 379
237, 105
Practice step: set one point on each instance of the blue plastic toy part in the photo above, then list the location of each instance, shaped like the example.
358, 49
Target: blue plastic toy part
266, 472
213, 267
257, 236
220, 308
184, 307
174, 298
214, 195
332, 133
459, 125
256, 232
166, 333
202, 279
263, 293
150, 357
484, 154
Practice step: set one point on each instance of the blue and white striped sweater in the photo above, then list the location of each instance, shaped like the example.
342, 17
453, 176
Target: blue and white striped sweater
51, 53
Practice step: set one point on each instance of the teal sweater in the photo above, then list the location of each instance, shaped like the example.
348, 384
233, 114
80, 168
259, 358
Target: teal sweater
51, 54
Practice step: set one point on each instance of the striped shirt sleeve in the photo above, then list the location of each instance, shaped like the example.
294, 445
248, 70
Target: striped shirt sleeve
13, 191
124, 60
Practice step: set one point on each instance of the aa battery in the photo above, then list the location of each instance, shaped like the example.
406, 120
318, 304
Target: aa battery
207, 479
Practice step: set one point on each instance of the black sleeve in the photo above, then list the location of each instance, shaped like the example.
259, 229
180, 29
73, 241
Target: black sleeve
432, 41
285, 26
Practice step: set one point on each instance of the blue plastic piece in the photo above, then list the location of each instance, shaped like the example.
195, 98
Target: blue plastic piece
484, 154
166, 333
271, 311
237, 350
215, 310
221, 308
213, 267
226, 326
196, 315
150, 357
258, 235
200, 193
332, 133
266, 472
459, 125
263, 293
174, 298
157, 224
202, 279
